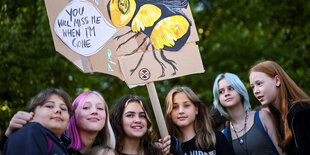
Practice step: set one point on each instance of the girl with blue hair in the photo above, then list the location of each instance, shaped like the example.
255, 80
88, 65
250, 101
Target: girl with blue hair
249, 132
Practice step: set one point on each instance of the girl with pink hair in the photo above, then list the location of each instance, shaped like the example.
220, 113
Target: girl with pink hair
90, 125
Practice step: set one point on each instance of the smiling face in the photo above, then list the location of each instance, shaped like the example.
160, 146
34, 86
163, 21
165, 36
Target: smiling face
91, 115
53, 114
227, 94
184, 111
264, 87
134, 120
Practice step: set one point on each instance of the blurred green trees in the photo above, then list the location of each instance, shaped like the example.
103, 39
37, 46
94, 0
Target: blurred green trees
233, 36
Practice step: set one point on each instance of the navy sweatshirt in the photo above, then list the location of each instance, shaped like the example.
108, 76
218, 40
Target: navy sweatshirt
34, 139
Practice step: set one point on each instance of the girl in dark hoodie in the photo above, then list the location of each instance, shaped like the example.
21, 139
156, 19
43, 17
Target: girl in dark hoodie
52, 109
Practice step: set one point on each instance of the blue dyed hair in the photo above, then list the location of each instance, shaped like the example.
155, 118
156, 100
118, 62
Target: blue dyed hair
237, 84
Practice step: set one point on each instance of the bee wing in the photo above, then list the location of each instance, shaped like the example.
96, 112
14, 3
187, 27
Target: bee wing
146, 17
168, 30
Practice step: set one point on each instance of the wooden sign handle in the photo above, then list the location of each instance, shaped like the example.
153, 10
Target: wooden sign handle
157, 109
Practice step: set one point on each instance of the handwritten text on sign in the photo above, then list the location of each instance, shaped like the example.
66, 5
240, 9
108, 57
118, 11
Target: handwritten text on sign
83, 28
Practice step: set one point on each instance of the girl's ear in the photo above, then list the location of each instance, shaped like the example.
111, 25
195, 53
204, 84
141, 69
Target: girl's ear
278, 81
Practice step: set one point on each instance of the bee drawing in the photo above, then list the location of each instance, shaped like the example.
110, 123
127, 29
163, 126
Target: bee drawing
162, 21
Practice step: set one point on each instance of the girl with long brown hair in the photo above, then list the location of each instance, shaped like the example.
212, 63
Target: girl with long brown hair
133, 128
187, 119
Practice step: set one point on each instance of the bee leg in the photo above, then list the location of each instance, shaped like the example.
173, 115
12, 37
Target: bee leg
120, 36
161, 64
136, 50
134, 69
169, 61
139, 62
134, 36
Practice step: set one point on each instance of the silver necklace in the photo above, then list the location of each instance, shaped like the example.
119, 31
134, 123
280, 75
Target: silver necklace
235, 129
244, 128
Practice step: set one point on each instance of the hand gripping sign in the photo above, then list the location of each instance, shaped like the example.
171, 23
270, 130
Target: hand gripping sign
138, 41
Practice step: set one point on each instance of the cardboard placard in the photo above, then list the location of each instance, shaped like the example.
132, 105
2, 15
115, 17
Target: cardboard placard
83, 33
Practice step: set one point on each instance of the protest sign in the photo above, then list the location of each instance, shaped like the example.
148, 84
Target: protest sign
137, 41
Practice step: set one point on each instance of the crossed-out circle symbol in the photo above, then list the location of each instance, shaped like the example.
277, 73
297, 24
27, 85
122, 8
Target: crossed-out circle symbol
144, 74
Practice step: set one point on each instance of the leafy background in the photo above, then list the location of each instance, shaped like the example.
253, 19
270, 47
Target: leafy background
233, 36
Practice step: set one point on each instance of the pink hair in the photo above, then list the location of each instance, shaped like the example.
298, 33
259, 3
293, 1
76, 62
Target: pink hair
72, 132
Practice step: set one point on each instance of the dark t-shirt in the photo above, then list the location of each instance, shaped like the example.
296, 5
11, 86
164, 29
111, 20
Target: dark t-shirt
74, 152
222, 147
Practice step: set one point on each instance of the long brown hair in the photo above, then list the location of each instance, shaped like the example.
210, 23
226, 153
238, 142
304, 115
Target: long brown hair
202, 125
147, 144
289, 93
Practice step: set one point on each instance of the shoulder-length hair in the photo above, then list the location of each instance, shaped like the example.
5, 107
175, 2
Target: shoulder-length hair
289, 92
147, 142
43, 96
205, 136
105, 135
237, 84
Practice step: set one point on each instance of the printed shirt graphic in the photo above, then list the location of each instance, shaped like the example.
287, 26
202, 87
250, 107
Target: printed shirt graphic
189, 148
222, 147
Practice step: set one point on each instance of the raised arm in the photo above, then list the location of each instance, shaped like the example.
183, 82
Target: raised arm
18, 121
